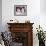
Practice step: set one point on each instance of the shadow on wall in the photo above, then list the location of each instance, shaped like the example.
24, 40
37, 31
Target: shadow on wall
43, 6
0, 15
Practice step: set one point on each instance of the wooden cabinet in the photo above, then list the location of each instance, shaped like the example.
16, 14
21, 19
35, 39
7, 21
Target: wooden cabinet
22, 33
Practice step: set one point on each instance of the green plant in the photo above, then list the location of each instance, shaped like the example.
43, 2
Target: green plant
40, 34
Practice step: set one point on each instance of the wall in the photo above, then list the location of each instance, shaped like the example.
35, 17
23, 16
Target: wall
0, 15
43, 6
34, 14
43, 14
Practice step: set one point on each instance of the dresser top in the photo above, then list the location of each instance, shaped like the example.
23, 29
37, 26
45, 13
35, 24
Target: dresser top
19, 23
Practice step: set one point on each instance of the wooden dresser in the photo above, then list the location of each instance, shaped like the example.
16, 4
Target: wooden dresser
22, 33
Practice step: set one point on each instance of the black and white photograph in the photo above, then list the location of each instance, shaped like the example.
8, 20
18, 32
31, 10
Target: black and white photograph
20, 10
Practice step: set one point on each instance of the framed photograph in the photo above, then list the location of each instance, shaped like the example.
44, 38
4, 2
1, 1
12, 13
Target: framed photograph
20, 10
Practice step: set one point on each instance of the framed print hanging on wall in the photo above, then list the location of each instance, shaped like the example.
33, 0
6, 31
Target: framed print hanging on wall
20, 10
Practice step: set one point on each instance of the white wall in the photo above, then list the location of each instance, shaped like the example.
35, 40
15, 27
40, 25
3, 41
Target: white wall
43, 6
43, 14
34, 14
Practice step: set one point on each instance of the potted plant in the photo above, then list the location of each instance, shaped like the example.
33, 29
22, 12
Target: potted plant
41, 36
